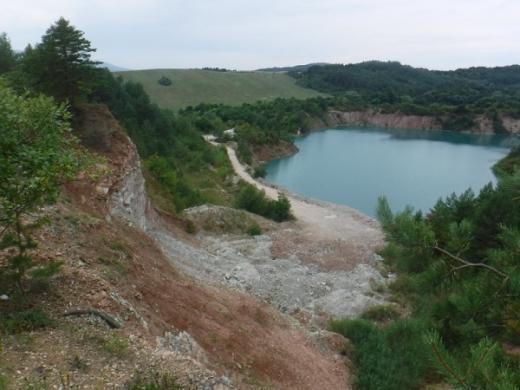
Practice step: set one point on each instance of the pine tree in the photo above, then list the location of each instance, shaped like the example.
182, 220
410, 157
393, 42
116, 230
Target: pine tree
60, 65
7, 56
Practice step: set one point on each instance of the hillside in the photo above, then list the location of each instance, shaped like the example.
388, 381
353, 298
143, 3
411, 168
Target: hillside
193, 86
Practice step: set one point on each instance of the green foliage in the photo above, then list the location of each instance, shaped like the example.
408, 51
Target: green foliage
458, 269
60, 65
155, 381
254, 230
7, 55
37, 155
197, 86
182, 195
380, 313
263, 123
508, 165
24, 321
255, 201
485, 366
3, 382
390, 358
453, 96
259, 171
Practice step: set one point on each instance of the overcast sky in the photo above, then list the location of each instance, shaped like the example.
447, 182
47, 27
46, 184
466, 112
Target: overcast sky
249, 34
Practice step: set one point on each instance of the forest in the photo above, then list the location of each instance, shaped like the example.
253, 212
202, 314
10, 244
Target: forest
476, 90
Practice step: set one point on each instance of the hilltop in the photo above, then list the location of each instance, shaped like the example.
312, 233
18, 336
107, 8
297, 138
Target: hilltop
190, 87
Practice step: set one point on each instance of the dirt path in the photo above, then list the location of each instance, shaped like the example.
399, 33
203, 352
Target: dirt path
320, 219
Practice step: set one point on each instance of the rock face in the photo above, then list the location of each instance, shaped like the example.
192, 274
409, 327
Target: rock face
376, 118
511, 124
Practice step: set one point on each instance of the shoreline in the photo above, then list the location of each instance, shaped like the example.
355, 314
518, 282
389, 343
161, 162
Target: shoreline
319, 218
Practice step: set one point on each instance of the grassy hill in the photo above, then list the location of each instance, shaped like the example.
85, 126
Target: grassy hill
193, 86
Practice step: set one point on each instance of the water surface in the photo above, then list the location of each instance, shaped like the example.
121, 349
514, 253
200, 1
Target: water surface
354, 166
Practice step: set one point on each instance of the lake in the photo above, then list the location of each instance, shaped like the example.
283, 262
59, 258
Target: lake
354, 166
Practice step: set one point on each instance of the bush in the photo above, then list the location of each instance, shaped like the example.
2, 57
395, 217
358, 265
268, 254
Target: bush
259, 171
24, 321
164, 81
391, 358
254, 230
255, 201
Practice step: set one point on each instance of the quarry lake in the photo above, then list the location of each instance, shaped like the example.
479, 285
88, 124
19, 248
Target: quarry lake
354, 166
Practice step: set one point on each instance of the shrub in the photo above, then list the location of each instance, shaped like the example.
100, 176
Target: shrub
391, 358
254, 230
24, 321
255, 201
37, 155
259, 171
164, 81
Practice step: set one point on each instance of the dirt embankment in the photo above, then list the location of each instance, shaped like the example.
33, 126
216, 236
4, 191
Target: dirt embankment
124, 258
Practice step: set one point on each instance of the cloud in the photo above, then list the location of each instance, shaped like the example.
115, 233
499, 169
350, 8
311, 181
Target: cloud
248, 34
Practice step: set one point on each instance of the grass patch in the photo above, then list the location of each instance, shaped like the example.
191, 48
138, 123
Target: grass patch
156, 381
3, 382
391, 358
116, 346
24, 321
191, 87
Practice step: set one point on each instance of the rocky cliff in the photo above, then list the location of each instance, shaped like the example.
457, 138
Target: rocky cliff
482, 124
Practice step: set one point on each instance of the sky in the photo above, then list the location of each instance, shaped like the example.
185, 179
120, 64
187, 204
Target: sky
251, 34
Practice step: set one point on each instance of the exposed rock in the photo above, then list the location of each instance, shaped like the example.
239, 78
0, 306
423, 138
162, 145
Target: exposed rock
378, 119
482, 124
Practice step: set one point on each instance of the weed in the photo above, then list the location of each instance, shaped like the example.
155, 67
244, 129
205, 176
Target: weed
116, 347
78, 364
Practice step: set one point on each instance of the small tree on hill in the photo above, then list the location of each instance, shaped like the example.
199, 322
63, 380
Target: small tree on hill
37, 155
60, 65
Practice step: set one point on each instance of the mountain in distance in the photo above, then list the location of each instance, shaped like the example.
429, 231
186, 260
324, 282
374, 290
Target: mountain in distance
295, 68
112, 67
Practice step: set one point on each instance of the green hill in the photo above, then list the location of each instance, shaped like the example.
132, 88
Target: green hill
193, 86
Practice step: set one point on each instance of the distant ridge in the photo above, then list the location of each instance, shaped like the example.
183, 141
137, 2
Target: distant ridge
295, 68
112, 67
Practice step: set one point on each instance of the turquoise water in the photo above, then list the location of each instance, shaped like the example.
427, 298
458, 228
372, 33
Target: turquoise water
355, 166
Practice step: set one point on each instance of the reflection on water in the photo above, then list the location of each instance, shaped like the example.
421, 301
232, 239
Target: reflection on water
353, 166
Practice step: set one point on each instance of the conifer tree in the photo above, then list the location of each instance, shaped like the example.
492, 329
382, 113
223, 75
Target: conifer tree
7, 56
60, 65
